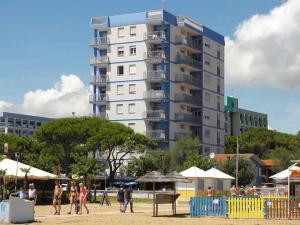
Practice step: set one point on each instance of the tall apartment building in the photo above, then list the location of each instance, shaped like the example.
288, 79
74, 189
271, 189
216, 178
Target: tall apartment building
239, 120
160, 74
19, 124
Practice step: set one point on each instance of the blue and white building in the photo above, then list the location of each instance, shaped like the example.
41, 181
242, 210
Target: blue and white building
160, 74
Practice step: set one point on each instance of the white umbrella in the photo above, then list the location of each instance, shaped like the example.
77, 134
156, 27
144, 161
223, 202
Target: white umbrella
284, 174
215, 173
194, 172
10, 168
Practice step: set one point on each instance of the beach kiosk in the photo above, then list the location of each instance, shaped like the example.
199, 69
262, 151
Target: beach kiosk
14, 209
188, 190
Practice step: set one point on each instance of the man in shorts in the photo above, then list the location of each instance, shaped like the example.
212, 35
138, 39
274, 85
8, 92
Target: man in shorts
57, 197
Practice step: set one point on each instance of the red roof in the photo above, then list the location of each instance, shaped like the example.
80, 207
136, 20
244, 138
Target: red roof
223, 157
268, 162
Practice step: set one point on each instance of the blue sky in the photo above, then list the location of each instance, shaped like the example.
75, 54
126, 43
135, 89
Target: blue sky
41, 40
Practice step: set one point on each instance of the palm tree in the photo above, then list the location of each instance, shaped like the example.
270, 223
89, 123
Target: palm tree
26, 171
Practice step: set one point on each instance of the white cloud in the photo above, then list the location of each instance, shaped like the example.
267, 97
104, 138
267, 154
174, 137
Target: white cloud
265, 49
67, 96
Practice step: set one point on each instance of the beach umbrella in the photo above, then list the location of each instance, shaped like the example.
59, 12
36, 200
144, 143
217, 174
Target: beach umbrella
154, 177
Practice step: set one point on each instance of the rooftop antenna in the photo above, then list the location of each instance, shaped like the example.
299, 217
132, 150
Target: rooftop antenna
162, 4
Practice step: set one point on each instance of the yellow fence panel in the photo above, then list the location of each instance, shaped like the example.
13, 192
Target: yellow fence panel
245, 207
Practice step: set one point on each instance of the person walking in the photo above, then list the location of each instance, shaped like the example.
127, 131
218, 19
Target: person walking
73, 197
83, 198
128, 199
58, 191
120, 197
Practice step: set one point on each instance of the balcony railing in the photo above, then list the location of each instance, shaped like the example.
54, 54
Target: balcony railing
183, 117
155, 36
156, 134
155, 56
155, 95
154, 115
99, 60
100, 42
98, 80
194, 100
100, 23
183, 78
155, 75
101, 99
182, 135
188, 60
180, 40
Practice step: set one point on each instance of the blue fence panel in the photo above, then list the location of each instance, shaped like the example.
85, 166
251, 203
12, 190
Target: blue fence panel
208, 206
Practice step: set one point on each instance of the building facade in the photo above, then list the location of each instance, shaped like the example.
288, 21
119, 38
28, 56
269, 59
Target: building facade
239, 120
19, 124
160, 74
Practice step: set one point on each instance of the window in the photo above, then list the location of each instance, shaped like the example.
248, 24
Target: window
132, 89
133, 31
207, 97
121, 32
218, 54
119, 108
207, 60
207, 79
182, 69
120, 51
207, 133
131, 125
182, 126
182, 88
120, 70
207, 43
120, 89
132, 50
218, 71
132, 69
131, 108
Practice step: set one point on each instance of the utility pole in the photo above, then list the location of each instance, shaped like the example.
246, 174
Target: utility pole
237, 162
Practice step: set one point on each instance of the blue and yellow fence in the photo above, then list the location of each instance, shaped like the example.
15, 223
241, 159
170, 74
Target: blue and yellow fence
245, 207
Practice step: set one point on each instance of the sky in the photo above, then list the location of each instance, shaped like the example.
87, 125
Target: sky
44, 52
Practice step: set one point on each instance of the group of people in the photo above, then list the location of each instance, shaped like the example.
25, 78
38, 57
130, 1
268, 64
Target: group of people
243, 191
77, 198
124, 197
29, 194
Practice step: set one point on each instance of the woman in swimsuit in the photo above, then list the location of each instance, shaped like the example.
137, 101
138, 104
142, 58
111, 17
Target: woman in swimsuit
73, 195
57, 198
83, 198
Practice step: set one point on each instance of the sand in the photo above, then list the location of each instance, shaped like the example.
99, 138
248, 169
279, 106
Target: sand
141, 216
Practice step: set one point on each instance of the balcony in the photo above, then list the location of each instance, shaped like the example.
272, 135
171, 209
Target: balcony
100, 81
155, 37
188, 60
188, 118
155, 75
100, 42
154, 115
101, 99
154, 95
179, 136
100, 23
156, 134
192, 45
183, 78
155, 56
99, 61
193, 100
